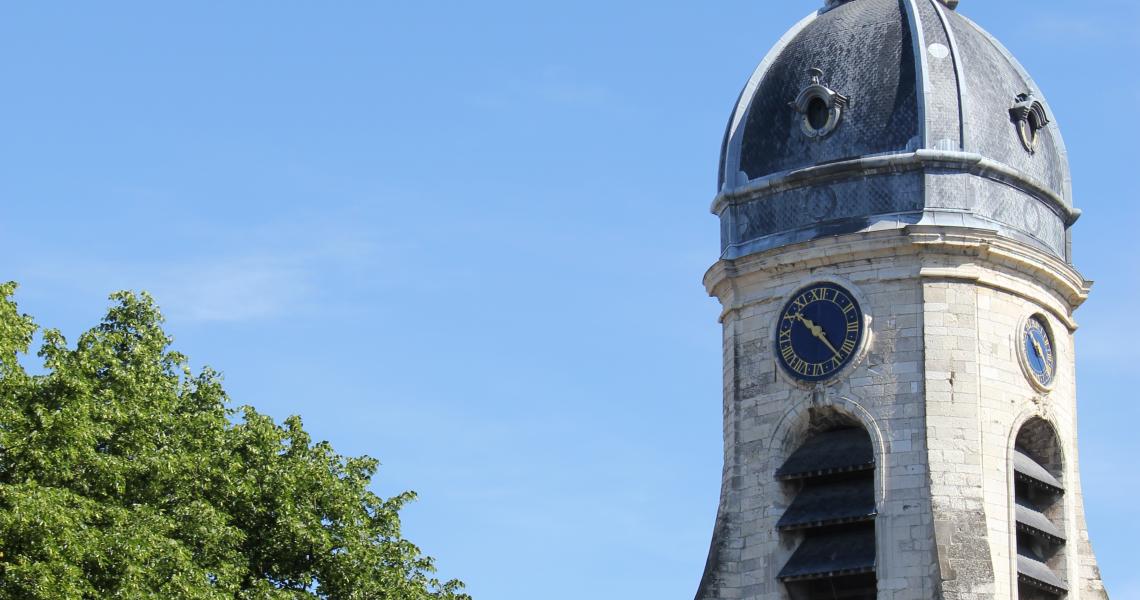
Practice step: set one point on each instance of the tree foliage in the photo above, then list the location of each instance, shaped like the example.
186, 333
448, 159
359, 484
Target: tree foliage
125, 475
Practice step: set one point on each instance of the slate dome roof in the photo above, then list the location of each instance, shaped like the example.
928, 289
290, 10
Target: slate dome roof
885, 113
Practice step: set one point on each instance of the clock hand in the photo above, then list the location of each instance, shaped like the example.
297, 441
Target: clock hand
1041, 355
818, 332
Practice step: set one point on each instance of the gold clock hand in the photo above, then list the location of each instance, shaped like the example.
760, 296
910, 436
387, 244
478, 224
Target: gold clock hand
1041, 355
818, 332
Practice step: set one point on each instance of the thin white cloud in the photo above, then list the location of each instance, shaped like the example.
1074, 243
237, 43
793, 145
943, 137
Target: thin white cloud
244, 289
262, 272
222, 288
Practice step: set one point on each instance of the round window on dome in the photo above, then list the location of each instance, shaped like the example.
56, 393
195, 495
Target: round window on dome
818, 107
1029, 118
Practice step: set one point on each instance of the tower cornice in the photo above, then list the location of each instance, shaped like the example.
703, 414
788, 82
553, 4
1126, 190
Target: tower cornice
950, 253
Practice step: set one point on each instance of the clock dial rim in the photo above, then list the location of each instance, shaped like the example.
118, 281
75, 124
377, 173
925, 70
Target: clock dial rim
850, 356
1041, 380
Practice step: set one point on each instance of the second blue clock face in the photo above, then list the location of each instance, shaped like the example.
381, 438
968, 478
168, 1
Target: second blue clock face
1039, 353
820, 332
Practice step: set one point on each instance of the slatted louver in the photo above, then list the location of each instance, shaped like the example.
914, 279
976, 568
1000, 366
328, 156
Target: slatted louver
836, 502
835, 511
1037, 492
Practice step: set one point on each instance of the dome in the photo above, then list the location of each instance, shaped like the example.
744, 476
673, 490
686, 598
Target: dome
875, 114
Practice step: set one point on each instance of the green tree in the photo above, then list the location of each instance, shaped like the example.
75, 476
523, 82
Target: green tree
124, 475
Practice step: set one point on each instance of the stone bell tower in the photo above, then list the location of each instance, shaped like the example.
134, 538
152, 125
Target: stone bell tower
899, 385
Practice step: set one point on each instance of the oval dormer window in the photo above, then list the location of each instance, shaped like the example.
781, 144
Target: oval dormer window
1029, 117
818, 107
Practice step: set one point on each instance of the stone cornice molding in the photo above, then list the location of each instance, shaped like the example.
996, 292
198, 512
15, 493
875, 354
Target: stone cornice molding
972, 255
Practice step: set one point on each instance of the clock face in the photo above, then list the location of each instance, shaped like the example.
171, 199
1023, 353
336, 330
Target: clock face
1040, 356
820, 332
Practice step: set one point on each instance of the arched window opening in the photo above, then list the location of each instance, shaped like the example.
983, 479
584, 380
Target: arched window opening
1039, 508
832, 515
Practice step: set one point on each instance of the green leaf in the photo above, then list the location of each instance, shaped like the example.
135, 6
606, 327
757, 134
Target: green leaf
125, 475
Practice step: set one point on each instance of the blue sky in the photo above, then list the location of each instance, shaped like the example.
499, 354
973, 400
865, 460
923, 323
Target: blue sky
467, 238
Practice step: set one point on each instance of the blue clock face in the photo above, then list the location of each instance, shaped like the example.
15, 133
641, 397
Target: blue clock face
820, 332
1040, 356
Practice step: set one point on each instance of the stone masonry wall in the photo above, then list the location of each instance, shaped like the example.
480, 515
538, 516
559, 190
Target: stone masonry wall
767, 417
978, 399
940, 390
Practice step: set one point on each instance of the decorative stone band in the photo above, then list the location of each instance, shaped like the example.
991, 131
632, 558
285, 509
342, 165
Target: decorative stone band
977, 256
965, 162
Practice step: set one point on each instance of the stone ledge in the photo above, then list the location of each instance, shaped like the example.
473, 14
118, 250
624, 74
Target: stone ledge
943, 253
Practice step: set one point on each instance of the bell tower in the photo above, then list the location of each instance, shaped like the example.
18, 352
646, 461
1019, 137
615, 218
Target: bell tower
898, 301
